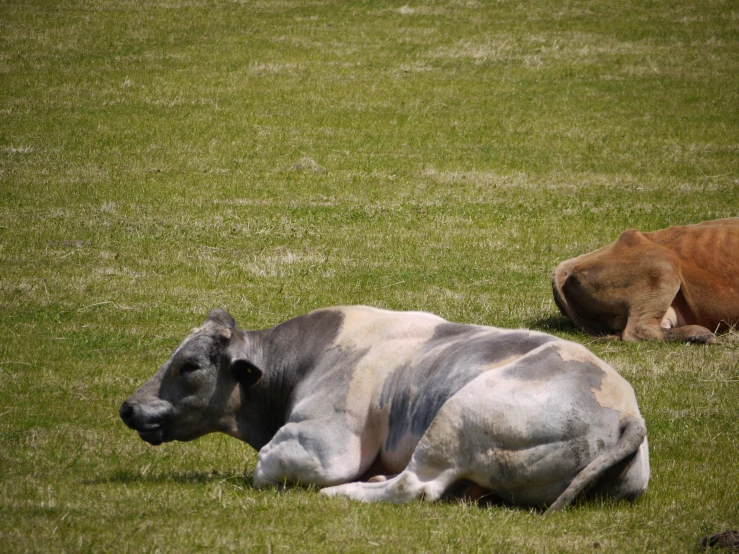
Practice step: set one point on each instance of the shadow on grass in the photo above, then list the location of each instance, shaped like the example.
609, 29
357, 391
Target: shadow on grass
564, 328
555, 323
127, 477
466, 492
592, 499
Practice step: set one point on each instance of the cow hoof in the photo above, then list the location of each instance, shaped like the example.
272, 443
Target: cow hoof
706, 338
690, 333
347, 490
725, 539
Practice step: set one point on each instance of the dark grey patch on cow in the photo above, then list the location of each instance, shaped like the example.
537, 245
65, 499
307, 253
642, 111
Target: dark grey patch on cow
548, 364
450, 359
287, 354
294, 348
448, 331
201, 350
397, 422
577, 380
334, 372
298, 343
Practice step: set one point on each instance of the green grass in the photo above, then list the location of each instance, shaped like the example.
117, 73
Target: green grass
159, 159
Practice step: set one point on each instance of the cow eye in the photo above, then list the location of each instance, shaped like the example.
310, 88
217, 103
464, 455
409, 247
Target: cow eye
188, 367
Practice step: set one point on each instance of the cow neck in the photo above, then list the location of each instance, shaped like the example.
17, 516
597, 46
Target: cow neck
261, 410
289, 353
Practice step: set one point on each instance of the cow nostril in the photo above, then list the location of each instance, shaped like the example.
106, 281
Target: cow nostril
126, 412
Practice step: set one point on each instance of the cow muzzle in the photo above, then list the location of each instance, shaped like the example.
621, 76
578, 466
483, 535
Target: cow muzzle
146, 419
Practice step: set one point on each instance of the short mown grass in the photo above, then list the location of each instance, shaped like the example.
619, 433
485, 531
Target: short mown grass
163, 158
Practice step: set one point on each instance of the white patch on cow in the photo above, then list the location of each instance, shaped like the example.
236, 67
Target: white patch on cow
615, 392
391, 340
292, 456
670, 319
364, 326
572, 352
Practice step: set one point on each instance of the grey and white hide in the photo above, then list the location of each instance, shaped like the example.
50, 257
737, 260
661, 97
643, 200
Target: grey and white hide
342, 396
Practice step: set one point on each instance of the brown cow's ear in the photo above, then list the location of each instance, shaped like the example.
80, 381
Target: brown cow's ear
245, 372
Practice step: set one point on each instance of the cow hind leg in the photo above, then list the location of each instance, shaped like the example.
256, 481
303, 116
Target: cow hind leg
434, 467
628, 486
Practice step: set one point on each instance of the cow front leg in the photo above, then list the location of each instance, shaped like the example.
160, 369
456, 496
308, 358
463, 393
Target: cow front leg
649, 310
643, 328
310, 453
690, 333
650, 327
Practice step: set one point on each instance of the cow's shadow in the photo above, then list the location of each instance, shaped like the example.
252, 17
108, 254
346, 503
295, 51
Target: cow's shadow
244, 481
189, 477
456, 494
554, 324
562, 327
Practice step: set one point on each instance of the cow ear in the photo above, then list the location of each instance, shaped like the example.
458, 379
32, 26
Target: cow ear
222, 318
245, 372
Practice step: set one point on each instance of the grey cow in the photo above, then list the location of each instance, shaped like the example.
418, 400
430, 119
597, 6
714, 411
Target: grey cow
347, 394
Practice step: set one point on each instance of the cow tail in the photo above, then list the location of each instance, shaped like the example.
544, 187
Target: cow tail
632, 437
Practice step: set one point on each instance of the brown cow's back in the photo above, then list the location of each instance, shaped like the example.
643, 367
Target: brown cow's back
709, 263
692, 269
711, 245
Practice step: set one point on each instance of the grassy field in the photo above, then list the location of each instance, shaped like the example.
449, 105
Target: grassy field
161, 158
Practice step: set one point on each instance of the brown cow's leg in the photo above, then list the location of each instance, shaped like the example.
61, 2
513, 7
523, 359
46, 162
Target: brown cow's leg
690, 333
657, 288
645, 328
645, 325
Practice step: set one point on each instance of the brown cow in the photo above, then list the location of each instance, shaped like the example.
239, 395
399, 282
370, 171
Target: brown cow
677, 284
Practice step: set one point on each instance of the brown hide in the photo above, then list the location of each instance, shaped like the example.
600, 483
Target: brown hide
680, 283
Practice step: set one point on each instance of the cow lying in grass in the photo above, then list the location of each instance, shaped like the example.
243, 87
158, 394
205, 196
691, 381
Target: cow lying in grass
678, 284
343, 394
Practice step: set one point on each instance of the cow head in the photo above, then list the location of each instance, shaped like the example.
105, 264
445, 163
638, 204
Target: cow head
197, 389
